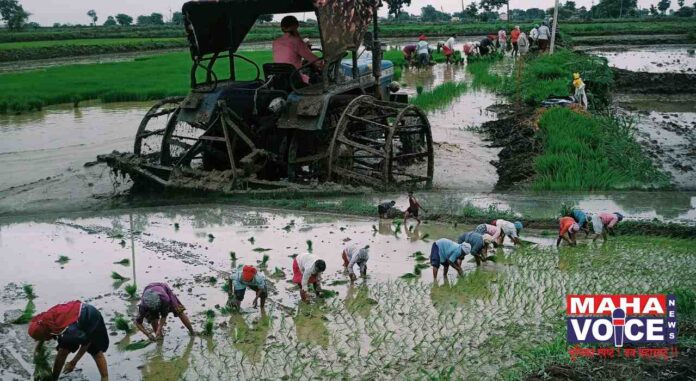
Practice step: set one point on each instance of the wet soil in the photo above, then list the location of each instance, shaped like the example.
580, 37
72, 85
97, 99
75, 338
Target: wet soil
652, 59
655, 83
630, 39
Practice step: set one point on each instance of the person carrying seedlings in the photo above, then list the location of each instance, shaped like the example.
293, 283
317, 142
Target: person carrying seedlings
447, 253
247, 277
479, 245
409, 51
514, 38
580, 95
581, 218
423, 51
384, 207
448, 49
291, 49
604, 222
307, 269
76, 326
156, 303
508, 229
355, 255
413, 207
544, 34
568, 229
491, 230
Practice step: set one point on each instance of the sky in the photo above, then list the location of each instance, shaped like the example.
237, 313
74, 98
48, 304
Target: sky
47, 12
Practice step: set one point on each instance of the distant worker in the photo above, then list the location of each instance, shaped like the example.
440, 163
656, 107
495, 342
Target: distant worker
448, 49
581, 218
470, 49
156, 302
486, 45
290, 48
544, 35
580, 96
491, 230
76, 326
568, 229
509, 229
355, 255
523, 44
413, 207
604, 222
383, 208
502, 40
307, 269
409, 51
447, 253
479, 245
534, 35
514, 38
423, 51
247, 277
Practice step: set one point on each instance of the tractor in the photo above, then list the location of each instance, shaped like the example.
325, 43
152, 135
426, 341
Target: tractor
347, 125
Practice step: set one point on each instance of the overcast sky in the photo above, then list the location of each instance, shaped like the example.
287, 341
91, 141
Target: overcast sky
47, 12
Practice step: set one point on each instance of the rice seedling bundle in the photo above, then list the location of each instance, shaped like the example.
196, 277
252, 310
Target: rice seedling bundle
63, 259
136, 345
118, 277
131, 290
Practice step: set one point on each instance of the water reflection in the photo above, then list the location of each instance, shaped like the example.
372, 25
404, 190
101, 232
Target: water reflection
162, 364
249, 339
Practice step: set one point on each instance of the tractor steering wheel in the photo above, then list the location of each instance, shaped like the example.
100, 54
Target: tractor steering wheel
308, 64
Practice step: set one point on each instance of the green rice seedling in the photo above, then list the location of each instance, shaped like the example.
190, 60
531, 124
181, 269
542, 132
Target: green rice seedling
42, 367
118, 277
226, 287
440, 97
211, 237
210, 313
122, 243
261, 250
338, 282
233, 256
419, 89
122, 324
137, 345
309, 245
326, 294
252, 240
374, 228
408, 276
264, 261
176, 226
212, 280
278, 273
208, 326
27, 314
123, 262
131, 290
425, 237
28, 291
63, 259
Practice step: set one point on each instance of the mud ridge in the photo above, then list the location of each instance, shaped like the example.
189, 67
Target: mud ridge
657, 83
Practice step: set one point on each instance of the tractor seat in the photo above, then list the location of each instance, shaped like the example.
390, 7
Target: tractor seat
282, 76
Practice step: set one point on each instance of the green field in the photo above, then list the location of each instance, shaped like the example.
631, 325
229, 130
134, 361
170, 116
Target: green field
82, 42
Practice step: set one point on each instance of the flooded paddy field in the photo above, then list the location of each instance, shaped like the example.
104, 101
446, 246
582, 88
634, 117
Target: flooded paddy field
653, 58
381, 327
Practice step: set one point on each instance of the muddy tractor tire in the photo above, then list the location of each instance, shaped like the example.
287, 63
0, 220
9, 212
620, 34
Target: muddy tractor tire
383, 145
148, 139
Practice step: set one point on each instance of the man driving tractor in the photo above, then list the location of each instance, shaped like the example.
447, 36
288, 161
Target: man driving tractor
290, 48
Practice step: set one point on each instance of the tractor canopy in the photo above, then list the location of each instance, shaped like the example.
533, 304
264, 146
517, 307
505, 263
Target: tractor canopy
218, 27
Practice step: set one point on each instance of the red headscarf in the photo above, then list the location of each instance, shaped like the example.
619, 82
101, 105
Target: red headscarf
422, 38
248, 273
55, 320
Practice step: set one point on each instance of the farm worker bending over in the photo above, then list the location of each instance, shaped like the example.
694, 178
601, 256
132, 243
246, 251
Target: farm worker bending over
567, 231
307, 269
581, 218
479, 245
156, 303
580, 95
446, 252
289, 48
544, 35
491, 230
384, 207
413, 207
523, 44
603, 222
486, 45
355, 255
77, 327
509, 229
423, 50
515, 37
470, 48
247, 277
409, 51
448, 49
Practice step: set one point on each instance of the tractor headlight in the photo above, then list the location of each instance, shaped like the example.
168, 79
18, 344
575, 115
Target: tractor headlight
276, 105
394, 86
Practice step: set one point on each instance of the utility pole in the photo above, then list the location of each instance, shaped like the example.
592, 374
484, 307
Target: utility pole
508, 15
553, 27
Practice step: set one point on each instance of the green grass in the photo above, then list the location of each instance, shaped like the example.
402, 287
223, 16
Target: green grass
81, 42
584, 152
440, 97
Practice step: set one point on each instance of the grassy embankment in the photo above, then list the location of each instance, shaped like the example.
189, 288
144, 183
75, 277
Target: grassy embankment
34, 50
581, 151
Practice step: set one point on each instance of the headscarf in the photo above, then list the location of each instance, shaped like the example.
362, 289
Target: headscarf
151, 300
518, 226
466, 248
248, 273
619, 216
574, 227
55, 320
421, 38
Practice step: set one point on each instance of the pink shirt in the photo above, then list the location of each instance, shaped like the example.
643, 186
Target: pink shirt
502, 36
291, 49
608, 219
493, 231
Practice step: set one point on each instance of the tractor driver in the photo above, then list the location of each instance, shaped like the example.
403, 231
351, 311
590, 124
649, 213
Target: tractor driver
290, 48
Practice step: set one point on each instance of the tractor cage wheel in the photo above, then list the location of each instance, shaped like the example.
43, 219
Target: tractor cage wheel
382, 144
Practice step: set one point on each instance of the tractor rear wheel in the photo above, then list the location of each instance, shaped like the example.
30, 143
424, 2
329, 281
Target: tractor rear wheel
382, 144
148, 139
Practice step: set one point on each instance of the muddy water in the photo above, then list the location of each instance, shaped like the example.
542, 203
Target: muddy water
654, 59
390, 326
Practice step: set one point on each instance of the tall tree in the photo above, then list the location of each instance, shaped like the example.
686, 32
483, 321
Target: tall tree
110, 21
156, 19
653, 10
13, 14
614, 8
492, 5
569, 5
663, 5
397, 6
471, 11
681, 3
265, 18
178, 18
430, 14
124, 19
93, 15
